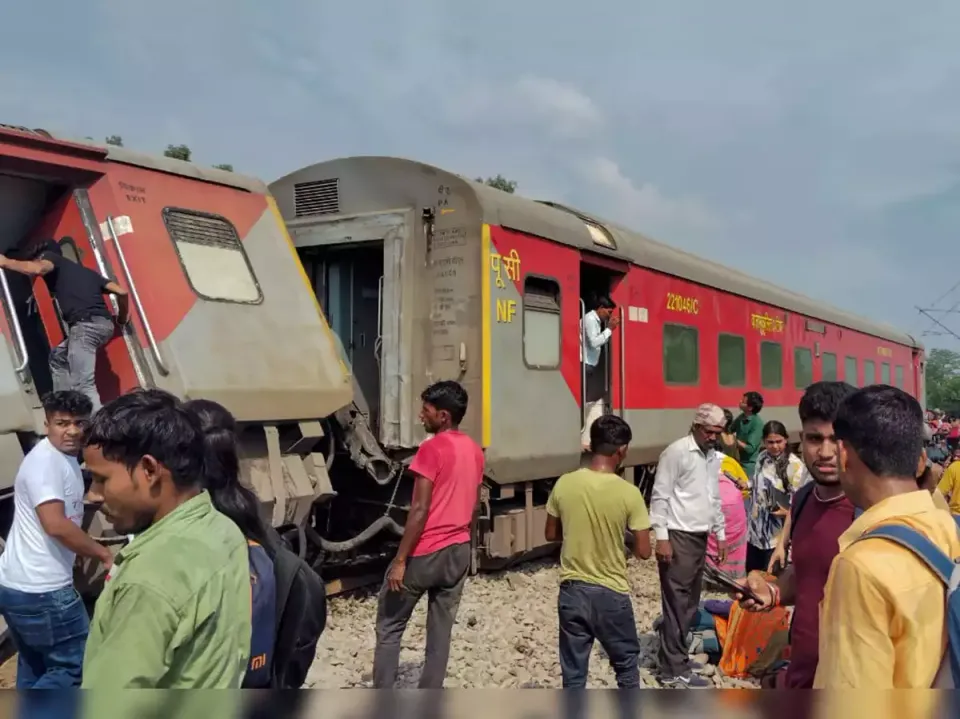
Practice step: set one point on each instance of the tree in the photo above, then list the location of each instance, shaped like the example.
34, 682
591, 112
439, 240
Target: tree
499, 182
178, 152
942, 375
225, 166
115, 140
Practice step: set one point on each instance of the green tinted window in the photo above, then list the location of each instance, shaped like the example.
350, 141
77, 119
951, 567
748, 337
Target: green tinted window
869, 373
771, 365
828, 366
732, 357
802, 367
850, 371
898, 376
885, 373
681, 355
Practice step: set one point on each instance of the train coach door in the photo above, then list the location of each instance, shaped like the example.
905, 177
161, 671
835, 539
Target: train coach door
603, 278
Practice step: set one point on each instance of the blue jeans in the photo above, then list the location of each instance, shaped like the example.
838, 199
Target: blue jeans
590, 612
50, 632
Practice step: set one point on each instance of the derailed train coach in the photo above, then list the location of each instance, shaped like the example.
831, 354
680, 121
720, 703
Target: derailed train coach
425, 275
220, 309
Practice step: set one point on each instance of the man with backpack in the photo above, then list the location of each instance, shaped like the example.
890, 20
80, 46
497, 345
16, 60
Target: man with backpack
884, 618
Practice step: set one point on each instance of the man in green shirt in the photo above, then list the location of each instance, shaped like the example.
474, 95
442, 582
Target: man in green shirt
590, 511
175, 610
748, 428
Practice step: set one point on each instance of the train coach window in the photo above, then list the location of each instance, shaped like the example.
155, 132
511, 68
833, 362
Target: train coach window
802, 367
869, 373
850, 371
771, 365
898, 376
681, 354
70, 250
541, 323
828, 367
732, 358
212, 256
885, 373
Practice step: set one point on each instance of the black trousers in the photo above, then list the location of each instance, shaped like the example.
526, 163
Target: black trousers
681, 582
441, 576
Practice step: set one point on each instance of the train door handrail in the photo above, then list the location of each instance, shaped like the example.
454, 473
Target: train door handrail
15, 321
148, 330
623, 368
583, 366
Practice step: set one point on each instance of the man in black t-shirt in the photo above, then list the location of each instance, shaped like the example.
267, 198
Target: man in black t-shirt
79, 293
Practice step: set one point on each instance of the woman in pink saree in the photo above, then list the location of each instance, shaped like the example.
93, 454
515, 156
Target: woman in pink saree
733, 485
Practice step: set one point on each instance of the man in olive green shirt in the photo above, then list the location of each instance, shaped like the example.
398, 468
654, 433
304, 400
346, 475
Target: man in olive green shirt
590, 511
175, 610
748, 428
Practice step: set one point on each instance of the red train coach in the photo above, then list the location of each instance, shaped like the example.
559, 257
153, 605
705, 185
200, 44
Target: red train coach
220, 307
425, 275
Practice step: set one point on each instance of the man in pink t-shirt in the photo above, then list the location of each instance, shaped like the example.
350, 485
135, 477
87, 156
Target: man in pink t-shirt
434, 554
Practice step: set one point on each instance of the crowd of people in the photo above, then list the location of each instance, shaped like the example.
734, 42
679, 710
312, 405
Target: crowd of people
205, 595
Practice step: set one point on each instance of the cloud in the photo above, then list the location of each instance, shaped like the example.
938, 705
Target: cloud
647, 208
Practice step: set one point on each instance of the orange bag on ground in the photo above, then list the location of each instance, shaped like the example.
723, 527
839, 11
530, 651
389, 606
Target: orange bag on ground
753, 642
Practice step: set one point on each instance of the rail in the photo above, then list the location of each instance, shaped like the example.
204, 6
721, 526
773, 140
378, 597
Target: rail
15, 321
148, 330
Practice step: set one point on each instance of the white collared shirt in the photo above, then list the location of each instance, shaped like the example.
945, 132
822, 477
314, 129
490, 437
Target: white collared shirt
592, 338
686, 491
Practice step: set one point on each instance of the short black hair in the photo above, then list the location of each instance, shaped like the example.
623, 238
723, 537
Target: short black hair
884, 426
822, 399
609, 433
48, 246
67, 401
154, 422
447, 395
604, 303
754, 401
774, 427
727, 420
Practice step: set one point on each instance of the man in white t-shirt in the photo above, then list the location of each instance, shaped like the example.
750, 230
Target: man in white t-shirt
46, 616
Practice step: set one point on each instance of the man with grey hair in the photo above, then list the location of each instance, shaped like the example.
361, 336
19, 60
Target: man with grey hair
684, 509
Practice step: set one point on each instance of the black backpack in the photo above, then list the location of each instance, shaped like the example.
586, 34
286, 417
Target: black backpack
301, 619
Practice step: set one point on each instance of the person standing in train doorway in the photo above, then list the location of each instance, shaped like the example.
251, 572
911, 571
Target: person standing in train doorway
435, 552
79, 293
593, 338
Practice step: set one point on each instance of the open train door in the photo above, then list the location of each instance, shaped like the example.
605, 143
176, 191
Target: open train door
919, 379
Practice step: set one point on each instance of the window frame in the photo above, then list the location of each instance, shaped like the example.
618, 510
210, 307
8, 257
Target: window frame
885, 366
797, 349
663, 361
743, 341
523, 322
836, 367
69, 242
855, 382
873, 366
170, 209
898, 376
780, 346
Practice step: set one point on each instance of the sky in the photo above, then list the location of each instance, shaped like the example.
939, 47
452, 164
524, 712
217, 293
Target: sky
816, 145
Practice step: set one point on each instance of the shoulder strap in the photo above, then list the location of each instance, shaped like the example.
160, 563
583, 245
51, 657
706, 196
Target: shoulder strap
923, 548
800, 499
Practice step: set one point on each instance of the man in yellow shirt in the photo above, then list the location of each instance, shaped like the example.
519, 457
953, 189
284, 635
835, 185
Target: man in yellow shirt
590, 511
882, 623
949, 485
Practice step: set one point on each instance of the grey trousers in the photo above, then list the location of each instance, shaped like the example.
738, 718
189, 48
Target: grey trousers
441, 576
73, 362
681, 582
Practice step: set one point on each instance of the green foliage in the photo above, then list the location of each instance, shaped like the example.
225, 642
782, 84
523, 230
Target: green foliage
114, 140
225, 166
942, 375
500, 182
178, 152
